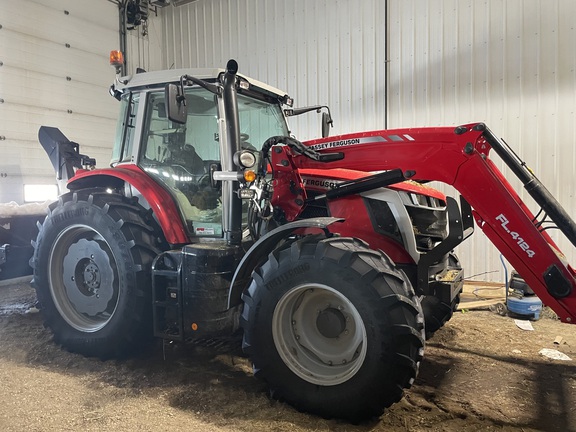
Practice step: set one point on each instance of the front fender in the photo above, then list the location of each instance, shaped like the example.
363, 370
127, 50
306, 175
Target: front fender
262, 248
158, 198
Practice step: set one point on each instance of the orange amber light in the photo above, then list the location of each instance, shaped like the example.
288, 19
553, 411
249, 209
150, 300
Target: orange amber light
116, 58
249, 176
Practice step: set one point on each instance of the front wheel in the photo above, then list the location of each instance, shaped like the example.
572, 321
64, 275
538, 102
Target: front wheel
333, 327
92, 272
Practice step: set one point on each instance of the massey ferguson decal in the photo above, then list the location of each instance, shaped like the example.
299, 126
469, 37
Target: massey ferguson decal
515, 236
320, 184
348, 142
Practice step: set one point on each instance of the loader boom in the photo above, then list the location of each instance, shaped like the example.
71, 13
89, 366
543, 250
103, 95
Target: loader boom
459, 157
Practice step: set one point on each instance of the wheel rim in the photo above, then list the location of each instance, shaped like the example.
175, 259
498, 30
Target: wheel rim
83, 278
319, 334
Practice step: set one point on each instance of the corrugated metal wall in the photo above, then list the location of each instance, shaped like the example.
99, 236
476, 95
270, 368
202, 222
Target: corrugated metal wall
54, 71
510, 64
318, 51
144, 45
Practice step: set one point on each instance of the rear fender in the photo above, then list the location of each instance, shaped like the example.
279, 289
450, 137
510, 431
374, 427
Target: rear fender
262, 248
156, 197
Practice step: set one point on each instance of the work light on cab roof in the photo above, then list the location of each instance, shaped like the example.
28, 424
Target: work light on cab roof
116, 60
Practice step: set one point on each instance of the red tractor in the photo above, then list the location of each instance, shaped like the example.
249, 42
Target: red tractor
212, 221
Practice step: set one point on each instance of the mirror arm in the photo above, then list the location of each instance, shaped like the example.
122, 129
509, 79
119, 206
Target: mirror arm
217, 90
298, 111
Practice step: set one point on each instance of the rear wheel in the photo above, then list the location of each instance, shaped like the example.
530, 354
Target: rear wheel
92, 272
333, 327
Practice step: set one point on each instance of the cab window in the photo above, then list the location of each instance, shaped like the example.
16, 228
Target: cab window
125, 128
180, 156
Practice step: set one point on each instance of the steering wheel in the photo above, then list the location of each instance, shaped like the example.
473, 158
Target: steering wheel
204, 180
244, 137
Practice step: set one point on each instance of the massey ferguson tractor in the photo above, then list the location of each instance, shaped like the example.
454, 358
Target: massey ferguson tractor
332, 258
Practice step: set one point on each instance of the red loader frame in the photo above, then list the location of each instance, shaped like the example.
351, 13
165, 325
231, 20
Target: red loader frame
458, 157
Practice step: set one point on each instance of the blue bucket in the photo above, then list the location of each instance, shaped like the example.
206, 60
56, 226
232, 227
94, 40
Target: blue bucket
530, 307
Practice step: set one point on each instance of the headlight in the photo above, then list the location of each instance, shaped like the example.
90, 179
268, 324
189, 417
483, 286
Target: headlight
245, 158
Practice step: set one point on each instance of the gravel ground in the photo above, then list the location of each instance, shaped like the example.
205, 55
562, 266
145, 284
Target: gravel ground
480, 373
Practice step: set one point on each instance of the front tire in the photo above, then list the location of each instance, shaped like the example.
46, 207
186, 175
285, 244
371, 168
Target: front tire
333, 327
92, 264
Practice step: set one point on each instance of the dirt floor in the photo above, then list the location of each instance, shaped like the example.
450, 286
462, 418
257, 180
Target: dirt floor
480, 373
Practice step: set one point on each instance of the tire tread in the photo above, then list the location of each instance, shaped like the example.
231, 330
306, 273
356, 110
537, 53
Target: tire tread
396, 297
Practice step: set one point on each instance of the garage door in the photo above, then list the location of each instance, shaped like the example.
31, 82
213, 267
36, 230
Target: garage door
54, 71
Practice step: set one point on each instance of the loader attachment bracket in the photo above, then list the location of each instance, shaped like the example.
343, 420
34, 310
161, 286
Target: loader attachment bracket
461, 226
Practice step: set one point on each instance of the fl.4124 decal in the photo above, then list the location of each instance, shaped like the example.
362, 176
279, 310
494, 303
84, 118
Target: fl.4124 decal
519, 240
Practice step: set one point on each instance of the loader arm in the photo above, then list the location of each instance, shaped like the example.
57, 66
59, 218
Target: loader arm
458, 157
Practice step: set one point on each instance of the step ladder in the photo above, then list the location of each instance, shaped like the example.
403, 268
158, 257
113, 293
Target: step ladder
167, 307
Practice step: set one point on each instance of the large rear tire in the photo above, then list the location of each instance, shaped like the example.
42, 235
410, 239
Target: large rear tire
92, 264
333, 327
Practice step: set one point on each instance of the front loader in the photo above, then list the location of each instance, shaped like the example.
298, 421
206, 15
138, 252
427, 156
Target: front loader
332, 258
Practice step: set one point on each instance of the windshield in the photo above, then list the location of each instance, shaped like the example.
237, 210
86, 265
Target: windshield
259, 121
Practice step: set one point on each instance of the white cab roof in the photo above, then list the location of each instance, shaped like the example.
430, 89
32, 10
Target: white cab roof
150, 79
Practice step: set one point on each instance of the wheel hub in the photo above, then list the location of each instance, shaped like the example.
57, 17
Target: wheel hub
331, 323
88, 277
319, 334
92, 275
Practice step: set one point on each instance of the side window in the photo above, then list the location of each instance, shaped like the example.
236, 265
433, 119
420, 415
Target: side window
124, 143
180, 157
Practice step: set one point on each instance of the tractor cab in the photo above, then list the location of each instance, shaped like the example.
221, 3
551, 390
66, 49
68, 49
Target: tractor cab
182, 156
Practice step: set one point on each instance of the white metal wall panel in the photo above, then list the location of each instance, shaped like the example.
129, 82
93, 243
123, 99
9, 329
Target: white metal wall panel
318, 51
54, 71
143, 45
508, 63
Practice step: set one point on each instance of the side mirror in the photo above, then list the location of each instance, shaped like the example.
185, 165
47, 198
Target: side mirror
326, 123
176, 108
326, 117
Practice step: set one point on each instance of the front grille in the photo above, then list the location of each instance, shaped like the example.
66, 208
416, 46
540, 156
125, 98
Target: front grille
430, 226
383, 219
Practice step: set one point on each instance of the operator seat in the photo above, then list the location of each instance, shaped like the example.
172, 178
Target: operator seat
190, 160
